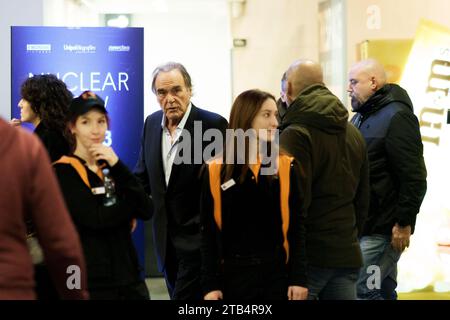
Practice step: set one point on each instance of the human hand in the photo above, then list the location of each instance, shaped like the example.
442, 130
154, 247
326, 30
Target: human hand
400, 237
133, 225
214, 295
297, 293
101, 152
15, 122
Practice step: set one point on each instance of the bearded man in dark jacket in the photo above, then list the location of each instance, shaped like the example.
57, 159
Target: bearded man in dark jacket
397, 174
334, 165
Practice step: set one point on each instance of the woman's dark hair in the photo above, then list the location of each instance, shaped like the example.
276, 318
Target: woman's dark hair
49, 99
245, 108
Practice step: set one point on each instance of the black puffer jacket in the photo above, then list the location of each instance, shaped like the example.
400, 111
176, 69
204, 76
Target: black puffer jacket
397, 168
334, 165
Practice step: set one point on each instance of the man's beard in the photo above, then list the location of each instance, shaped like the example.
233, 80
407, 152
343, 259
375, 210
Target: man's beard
355, 104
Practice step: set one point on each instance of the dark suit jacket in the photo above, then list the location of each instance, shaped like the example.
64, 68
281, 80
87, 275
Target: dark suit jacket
176, 207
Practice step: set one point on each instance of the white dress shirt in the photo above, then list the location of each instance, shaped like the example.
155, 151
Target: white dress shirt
169, 144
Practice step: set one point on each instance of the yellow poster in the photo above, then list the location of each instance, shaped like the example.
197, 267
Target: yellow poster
426, 77
391, 53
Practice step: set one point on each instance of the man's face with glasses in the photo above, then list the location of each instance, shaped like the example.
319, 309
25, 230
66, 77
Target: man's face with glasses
173, 95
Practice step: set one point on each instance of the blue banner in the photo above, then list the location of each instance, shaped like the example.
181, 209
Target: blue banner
108, 61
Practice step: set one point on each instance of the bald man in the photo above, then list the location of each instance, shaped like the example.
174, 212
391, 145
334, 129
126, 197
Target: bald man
333, 160
281, 102
397, 174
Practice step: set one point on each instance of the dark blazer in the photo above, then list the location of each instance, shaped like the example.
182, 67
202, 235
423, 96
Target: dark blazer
176, 207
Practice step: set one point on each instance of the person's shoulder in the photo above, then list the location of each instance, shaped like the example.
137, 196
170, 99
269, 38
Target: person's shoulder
355, 136
21, 138
8, 131
155, 116
396, 113
295, 129
208, 115
62, 165
46, 131
65, 173
353, 130
53, 138
286, 158
394, 107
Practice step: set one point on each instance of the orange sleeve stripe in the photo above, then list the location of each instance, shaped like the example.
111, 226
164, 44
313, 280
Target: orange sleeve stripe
214, 185
80, 168
284, 174
76, 164
255, 169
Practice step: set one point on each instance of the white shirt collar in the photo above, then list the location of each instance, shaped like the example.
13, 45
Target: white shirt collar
183, 120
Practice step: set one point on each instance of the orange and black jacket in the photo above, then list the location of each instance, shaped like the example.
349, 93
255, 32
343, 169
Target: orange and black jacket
104, 231
253, 217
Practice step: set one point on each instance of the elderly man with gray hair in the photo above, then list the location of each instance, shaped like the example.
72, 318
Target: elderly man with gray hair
173, 183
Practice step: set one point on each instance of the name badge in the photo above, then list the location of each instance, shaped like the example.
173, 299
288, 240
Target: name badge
228, 184
98, 190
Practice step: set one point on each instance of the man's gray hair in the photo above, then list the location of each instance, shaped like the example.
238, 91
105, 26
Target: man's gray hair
169, 66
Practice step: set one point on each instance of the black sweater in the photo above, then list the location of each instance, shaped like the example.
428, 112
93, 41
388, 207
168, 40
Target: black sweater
53, 140
105, 232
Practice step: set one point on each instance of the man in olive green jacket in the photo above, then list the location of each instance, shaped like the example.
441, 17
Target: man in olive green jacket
333, 160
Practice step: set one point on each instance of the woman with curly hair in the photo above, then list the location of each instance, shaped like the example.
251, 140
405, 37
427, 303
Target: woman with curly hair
44, 104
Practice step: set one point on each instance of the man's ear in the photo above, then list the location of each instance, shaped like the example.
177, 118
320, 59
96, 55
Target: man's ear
289, 91
374, 84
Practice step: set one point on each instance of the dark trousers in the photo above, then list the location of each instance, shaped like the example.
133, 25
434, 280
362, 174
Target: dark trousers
45, 289
135, 291
255, 277
332, 283
182, 274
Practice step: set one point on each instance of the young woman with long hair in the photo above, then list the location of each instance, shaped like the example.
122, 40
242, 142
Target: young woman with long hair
253, 232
